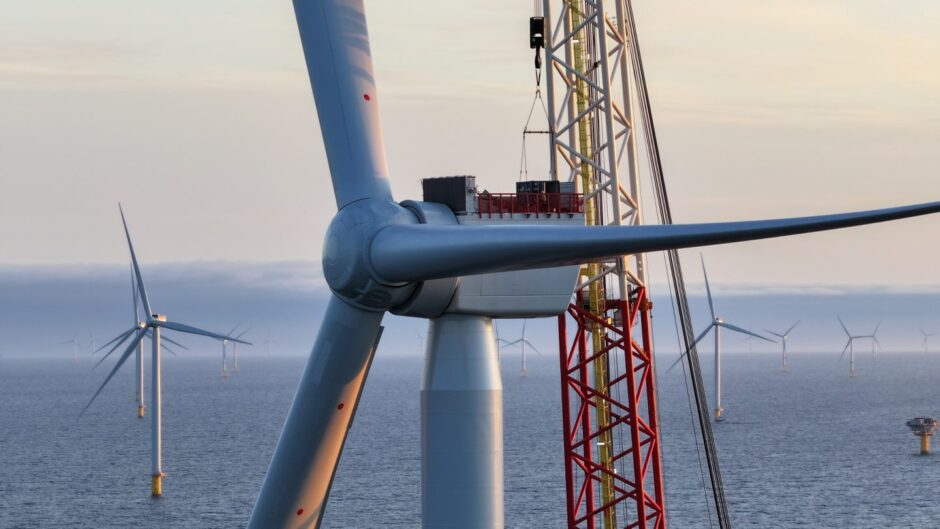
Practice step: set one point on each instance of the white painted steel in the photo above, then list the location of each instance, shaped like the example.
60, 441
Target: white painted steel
461, 426
156, 404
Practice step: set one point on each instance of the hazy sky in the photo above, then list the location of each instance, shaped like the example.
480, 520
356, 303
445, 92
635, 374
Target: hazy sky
199, 117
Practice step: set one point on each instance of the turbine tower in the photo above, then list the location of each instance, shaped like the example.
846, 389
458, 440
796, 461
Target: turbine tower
874, 340
784, 360
717, 324
152, 325
927, 336
381, 256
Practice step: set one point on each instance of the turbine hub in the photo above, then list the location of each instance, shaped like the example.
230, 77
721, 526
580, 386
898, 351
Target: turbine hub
346, 260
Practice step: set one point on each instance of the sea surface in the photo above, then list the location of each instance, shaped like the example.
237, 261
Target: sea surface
808, 448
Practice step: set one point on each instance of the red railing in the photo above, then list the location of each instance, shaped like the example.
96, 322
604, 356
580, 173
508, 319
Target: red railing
557, 204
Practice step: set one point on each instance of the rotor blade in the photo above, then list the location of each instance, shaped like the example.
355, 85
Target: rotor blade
418, 252
124, 357
735, 328
166, 347
708, 289
116, 338
140, 279
791, 328
875, 338
174, 342
118, 344
298, 481
242, 333
180, 327
844, 328
875, 333
846, 348
336, 46
534, 348
775, 334
684, 353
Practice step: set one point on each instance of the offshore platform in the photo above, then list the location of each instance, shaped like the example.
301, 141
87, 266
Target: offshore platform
923, 427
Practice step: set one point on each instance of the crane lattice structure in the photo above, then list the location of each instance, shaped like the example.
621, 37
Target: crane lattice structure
613, 465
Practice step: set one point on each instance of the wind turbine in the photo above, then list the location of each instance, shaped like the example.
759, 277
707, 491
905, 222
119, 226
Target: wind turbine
224, 371
717, 324
75, 345
522, 343
381, 256
499, 341
92, 345
235, 351
268, 342
784, 360
850, 346
874, 340
152, 325
927, 336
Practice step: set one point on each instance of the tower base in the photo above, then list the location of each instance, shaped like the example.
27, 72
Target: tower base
140, 411
156, 485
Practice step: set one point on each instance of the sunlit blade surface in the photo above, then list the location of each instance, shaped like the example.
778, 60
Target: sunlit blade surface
336, 46
708, 288
298, 481
422, 252
140, 280
127, 353
735, 328
189, 329
123, 337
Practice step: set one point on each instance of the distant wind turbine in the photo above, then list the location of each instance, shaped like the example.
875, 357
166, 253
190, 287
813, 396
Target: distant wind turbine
850, 345
499, 341
75, 346
784, 360
927, 336
235, 351
224, 371
717, 324
153, 324
522, 343
268, 342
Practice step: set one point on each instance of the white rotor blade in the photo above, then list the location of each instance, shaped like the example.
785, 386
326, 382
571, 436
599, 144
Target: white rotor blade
708, 289
534, 348
844, 349
791, 328
735, 328
403, 253
189, 329
123, 337
140, 279
336, 46
844, 328
775, 334
298, 482
124, 357
684, 353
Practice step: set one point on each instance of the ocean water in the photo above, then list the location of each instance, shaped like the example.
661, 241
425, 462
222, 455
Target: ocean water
808, 448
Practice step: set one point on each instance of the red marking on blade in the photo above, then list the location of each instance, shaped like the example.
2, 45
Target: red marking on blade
366, 97
341, 406
299, 512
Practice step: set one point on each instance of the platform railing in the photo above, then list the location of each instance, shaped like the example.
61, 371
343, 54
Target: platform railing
548, 204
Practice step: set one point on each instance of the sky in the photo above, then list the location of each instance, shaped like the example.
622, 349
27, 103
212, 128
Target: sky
44, 306
199, 118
